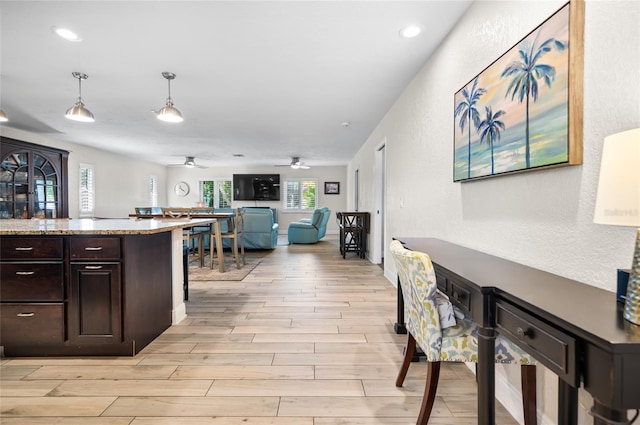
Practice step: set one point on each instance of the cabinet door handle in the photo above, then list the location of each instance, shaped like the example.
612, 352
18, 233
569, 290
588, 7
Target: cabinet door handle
25, 314
25, 273
92, 248
24, 248
92, 267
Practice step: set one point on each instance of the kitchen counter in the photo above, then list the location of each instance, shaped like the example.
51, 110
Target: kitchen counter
89, 286
88, 226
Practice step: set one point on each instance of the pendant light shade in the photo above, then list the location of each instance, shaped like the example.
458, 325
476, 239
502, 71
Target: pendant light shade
168, 112
78, 112
3, 116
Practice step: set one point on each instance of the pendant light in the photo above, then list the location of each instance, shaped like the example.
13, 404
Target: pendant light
78, 112
169, 113
3, 116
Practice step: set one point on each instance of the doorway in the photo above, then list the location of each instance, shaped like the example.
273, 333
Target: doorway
377, 235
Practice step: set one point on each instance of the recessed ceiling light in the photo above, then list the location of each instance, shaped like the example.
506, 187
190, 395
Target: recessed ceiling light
346, 124
410, 31
66, 33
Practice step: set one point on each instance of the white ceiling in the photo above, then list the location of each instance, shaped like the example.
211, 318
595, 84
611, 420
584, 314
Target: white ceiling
266, 79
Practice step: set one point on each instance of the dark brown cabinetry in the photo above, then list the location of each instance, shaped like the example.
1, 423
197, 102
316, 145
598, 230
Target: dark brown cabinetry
95, 297
84, 295
32, 291
33, 180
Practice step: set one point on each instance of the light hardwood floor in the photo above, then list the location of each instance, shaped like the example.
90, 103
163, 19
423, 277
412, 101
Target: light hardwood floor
306, 339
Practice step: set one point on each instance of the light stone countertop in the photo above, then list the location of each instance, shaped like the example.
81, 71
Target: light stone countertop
88, 226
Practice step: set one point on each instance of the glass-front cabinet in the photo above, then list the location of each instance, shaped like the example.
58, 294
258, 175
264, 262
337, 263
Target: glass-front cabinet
33, 180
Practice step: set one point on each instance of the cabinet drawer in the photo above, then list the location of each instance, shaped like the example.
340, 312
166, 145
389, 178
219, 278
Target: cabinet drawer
32, 324
31, 282
94, 248
25, 248
548, 345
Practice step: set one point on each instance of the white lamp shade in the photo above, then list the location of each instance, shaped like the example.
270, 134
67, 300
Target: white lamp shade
618, 199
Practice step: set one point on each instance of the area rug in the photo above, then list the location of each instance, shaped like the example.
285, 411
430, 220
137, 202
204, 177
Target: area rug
230, 271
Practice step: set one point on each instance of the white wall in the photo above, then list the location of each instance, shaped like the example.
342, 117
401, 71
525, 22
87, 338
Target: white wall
121, 183
544, 218
323, 174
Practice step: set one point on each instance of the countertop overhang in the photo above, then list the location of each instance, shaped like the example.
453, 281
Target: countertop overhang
89, 226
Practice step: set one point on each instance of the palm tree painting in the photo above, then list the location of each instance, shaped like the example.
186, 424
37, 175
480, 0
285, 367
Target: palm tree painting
489, 130
468, 112
525, 74
528, 87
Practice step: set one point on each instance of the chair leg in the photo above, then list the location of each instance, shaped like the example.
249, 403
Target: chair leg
433, 373
234, 245
244, 259
528, 374
408, 355
201, 249
212, 250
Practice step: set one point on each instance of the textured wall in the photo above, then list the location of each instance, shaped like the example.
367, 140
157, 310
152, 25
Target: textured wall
542, 218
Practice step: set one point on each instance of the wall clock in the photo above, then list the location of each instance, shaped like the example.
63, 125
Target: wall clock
181, 188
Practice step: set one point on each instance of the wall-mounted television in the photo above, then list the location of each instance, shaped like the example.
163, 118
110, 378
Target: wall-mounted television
256, 187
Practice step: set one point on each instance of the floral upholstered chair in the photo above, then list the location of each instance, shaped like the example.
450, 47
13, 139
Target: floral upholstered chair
458, 343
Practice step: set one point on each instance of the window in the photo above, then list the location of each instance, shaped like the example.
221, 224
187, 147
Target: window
300, 194
87, 190
216, 193
153, 191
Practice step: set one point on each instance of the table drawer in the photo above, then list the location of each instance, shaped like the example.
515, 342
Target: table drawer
31, 282
548, 345
94, 248
459, 294
441, 282
32, 324
25, 248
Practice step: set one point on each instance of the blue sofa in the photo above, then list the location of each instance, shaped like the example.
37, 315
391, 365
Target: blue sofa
260, 228
310, 230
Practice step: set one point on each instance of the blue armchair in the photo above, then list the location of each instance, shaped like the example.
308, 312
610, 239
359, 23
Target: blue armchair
310, 230
260, 228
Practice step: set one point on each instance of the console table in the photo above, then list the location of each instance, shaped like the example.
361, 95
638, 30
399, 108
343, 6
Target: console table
574, 329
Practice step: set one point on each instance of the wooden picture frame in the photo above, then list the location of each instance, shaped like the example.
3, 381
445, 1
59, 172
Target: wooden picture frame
332, 188
524, 111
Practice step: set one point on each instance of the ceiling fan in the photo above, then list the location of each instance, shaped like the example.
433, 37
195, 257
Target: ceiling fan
189, 162
296, 164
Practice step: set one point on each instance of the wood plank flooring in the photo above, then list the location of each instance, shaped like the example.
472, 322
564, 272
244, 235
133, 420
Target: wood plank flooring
306, 339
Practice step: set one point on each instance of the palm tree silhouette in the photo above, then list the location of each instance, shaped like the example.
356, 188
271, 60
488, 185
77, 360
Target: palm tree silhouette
525, 73
489, 129
466, 108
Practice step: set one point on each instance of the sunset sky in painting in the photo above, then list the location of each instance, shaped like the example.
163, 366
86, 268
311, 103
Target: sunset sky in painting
496, 88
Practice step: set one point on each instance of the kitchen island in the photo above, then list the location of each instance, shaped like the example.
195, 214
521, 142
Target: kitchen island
89, 286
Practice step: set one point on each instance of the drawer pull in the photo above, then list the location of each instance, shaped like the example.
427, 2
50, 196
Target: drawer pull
24, 248
92, 267
523, 334
92, 248
25, 314
25, 273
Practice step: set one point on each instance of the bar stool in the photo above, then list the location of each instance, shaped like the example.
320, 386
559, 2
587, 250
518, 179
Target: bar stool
189, 234
234, 232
